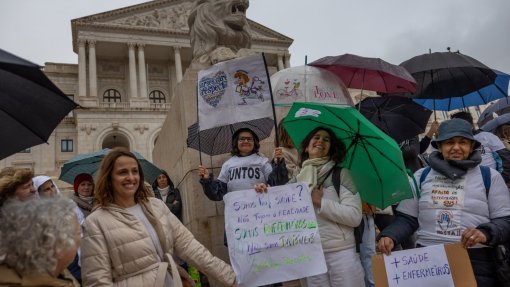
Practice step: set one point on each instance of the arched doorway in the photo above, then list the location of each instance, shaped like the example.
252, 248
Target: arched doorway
115, 140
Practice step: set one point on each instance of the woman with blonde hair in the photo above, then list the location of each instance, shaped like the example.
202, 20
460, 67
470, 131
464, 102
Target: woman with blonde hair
130, 237
16, 183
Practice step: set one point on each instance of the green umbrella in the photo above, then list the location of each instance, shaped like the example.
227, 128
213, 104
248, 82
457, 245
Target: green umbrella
373, 158
90, 162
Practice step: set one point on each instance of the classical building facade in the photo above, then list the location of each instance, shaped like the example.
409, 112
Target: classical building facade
129, 61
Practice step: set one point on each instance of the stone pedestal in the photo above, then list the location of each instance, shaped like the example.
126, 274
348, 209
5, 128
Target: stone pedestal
203, 217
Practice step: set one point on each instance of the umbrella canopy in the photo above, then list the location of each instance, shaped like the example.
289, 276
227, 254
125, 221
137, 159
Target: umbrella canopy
501, 106
31, 106
308, 84
399, 117
494, 91
371, 74
90, 162
218, 140
373, 158
493, 124
442, 75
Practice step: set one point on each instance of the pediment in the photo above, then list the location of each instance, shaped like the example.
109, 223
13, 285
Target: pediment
168, 16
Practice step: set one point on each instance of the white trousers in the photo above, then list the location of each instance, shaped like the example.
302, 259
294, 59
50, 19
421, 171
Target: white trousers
344, 270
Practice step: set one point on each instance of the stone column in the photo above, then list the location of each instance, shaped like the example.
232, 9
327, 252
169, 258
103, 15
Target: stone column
280, 62
82, 69
142, 75
287, 60
132, 71
92, 69
178, 63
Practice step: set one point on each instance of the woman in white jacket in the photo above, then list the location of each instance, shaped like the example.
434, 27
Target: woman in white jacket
128, 240
337, 212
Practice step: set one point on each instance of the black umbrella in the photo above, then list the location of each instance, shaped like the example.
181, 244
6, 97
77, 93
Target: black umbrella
399, 117
31, 106
443, 75
218, 140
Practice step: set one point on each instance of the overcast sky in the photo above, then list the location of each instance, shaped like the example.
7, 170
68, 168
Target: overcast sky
394, 30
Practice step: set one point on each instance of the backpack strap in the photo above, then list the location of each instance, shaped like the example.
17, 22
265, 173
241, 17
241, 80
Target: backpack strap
336, 178
424, 174
486, 177
358, 230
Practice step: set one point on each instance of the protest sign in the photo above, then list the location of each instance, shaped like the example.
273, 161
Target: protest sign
273, 237
438, 266
233, 91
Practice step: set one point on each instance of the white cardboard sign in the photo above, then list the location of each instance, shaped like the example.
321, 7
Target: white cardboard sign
273, 237
419, 267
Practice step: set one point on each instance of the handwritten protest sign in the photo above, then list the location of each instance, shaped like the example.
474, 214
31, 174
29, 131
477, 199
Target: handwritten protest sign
427, 266
273, 236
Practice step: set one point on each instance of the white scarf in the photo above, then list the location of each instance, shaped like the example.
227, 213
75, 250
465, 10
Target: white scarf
313, 170
164, 191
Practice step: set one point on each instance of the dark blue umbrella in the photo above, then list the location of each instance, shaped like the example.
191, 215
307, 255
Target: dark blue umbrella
493, 124
89, 163
499, 107
494, 91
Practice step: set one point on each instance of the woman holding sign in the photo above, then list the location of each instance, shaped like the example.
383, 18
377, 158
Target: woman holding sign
129, 239
338, 212
460, 201
246, 168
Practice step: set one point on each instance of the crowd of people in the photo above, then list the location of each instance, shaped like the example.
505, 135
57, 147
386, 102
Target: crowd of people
114, 230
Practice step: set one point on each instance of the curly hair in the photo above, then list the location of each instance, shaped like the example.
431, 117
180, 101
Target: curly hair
35, 232
337, 149
11, 179
104, 193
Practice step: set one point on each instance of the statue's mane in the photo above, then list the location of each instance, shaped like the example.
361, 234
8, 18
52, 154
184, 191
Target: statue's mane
209, 30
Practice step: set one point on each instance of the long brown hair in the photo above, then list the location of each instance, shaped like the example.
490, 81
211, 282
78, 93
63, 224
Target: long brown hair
337, 149
104, 193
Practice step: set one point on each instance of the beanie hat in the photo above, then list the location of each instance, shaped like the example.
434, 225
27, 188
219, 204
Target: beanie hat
80, 178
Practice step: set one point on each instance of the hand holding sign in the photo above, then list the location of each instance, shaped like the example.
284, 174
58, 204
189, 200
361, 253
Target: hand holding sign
273, 236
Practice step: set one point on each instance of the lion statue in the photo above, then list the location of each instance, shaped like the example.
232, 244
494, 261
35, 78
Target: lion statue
219, 30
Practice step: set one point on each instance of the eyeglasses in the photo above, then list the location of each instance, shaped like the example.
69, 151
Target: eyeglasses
248, 139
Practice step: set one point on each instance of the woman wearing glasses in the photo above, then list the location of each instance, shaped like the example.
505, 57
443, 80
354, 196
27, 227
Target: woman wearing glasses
244, 170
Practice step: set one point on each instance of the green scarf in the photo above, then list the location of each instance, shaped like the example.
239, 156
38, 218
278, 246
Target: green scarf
314, 171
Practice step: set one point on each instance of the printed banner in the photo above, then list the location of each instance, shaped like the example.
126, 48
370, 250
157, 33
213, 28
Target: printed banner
273, 237
233, 91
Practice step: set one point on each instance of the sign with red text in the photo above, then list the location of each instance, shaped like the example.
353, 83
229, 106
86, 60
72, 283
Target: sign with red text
273, 237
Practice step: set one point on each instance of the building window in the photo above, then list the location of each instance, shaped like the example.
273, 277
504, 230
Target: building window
111, 96
157, 97
66, 145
